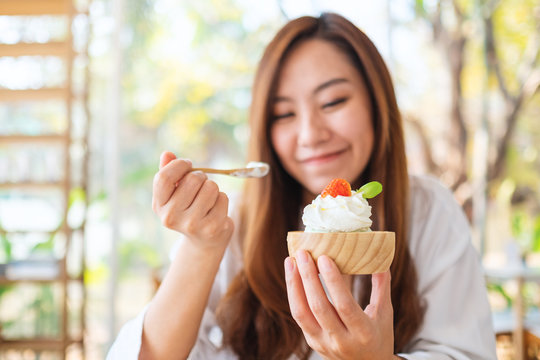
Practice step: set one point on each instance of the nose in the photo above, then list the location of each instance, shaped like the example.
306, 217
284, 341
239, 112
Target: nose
312, 130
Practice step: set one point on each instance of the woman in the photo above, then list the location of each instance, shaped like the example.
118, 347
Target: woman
323, 107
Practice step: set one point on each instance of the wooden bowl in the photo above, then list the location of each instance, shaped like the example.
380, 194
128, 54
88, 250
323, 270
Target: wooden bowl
354, 252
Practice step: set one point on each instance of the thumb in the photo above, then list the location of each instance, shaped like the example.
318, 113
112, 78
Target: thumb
165, 158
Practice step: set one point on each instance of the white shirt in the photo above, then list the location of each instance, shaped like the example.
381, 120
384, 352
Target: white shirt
457, 323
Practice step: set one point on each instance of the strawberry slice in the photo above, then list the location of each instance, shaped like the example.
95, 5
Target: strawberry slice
337, 187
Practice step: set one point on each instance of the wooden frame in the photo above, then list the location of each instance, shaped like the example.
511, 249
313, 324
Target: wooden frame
53, 48
34, 7
62, 50
33, 94
51, 344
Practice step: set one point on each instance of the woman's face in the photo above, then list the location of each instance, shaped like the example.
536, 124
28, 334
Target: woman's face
322, 118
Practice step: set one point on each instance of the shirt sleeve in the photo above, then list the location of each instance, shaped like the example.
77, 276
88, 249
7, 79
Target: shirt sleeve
457, 322
128, 342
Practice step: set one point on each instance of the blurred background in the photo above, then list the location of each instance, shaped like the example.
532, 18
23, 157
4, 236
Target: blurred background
92, 91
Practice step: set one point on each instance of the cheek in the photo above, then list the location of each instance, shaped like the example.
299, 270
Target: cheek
363, 136
359, 133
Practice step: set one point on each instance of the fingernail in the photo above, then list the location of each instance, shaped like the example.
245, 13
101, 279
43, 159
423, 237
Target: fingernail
302, 256
324, 263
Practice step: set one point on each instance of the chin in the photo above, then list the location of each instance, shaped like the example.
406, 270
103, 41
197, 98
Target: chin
316, 186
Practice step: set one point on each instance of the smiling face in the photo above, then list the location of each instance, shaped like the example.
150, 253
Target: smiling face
322, 117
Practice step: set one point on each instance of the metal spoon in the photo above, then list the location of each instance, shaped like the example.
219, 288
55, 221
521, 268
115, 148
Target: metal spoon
253, 169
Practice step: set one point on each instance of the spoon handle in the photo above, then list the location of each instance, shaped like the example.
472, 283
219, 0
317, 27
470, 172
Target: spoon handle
216, 171
252, 170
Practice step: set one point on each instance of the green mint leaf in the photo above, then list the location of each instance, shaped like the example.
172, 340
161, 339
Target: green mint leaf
371, 189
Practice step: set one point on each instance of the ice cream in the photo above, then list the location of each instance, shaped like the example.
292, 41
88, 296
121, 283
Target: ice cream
338, 224
347, 211
341, 213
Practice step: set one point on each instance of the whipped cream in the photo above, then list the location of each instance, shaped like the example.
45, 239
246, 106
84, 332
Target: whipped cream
340, 213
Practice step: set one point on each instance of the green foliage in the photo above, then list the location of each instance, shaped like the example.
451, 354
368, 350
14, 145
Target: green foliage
45, 247
5, 289
186, 88
526, 230
520, 169
515, 27
419, 8
515, 34
139, 175
76, 195
501, 291
183, 96
38, 316
46, 310
45, 318
96, 274
5, 246
136, 253
5, 257
536, 234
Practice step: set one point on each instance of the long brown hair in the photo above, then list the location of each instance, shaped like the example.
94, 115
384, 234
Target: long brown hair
254, 314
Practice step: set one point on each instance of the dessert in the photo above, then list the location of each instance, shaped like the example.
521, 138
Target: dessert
338, 225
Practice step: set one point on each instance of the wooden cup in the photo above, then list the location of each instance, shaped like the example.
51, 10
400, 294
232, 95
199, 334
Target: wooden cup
353, 252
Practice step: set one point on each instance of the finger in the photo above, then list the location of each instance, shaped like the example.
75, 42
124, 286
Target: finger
166, 179
347, 308
173, 213
219, 215
187, 190
165, 158
380, 284
318, 301
205, 199
220, 209
380, 293
298, 303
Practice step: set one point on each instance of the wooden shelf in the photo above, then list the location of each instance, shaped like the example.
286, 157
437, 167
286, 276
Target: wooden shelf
32, 185
52, 272
22, 232
46, 270
38, 94
5, 281
53, 344
35, 7
57, 48
47, 138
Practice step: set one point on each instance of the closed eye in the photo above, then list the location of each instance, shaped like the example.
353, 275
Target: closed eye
282, 116
334, 103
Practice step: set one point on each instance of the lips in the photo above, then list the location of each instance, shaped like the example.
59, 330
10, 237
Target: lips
322, 158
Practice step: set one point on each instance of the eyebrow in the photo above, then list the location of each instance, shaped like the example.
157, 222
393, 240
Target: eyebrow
319, 88
329, 83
